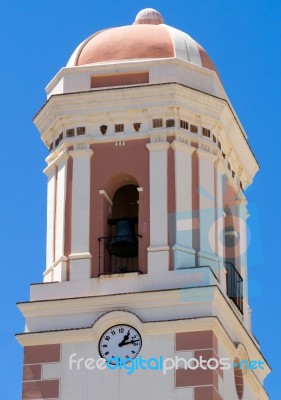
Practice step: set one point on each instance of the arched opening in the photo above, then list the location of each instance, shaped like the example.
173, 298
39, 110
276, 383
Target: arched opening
125, 203
121, 248
230, 237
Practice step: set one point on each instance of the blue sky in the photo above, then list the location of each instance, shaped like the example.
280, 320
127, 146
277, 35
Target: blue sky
37, 37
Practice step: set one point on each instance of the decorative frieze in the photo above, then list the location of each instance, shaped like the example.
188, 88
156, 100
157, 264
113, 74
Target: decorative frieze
206, 138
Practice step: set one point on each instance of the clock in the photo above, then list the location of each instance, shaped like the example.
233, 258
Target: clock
121, 341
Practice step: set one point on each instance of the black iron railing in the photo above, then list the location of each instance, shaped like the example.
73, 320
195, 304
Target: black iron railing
119, 259
234, 285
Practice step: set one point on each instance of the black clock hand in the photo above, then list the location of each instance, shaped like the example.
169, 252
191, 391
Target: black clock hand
124, 343
126, 337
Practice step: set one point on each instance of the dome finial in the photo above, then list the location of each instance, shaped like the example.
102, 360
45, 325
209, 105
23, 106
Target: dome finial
149, 16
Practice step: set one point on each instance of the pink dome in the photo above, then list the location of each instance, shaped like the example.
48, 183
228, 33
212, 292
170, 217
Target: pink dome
147, 38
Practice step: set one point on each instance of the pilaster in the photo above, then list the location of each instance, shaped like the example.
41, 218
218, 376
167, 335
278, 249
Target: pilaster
80, 257
207, 208
184, 254
218, 238
51, 173
158, 251
56, 259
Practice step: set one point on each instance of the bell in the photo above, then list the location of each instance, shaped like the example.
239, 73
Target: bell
124, 244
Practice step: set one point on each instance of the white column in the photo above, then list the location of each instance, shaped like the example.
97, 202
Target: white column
80, 257
242, 214
207, 208
56, 271
51, 172
59, 271
158, 251
218, 236
184, 254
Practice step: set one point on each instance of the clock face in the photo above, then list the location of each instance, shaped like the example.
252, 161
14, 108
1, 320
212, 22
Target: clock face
121, 341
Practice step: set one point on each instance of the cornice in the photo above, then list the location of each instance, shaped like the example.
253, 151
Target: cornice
79, 107
92, 332
91, 304
126, 65
70, 103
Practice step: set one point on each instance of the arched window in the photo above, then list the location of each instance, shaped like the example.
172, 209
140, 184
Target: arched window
125, 203
120, 249
230, 237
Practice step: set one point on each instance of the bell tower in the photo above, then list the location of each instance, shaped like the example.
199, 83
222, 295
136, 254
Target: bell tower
146, 254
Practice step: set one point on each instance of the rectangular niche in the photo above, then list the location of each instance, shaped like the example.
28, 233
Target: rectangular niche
119, 80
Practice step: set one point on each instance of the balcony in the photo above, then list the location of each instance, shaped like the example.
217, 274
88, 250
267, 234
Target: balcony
234, 286
118, 254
